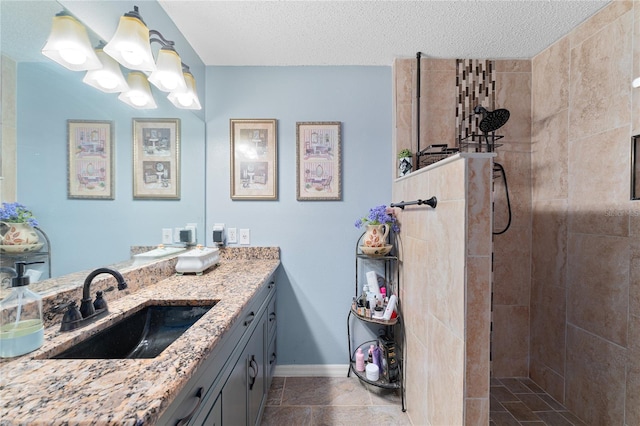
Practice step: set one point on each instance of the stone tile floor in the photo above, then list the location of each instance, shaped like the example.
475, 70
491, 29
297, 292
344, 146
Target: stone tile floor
520, 402
331, 401
335, 401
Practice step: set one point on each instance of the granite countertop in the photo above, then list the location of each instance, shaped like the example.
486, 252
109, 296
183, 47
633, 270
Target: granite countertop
39, 391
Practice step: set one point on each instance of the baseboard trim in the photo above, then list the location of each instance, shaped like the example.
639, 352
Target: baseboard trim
312, 370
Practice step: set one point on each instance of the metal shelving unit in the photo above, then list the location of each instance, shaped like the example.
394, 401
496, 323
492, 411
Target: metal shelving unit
389, 265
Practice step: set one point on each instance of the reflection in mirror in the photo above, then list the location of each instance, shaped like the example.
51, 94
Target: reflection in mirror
635, 168
38, 98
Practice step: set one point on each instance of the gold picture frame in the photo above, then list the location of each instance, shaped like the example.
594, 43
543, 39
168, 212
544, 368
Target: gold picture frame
254, 159
156, 158
319, 161
90, 168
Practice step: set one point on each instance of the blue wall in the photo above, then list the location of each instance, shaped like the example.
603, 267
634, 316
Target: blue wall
317, 238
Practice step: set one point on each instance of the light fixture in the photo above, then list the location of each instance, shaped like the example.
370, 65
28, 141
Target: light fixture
109, 78
636, 83
130, 45
188, 98
168, 74
139, 93
68, 44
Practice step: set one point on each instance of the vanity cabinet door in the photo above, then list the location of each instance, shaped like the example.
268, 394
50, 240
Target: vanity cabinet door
234, 395
256, 373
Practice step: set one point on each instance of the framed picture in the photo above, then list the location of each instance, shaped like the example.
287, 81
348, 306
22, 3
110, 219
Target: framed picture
254, 167
156, 158
90, 159
319, 159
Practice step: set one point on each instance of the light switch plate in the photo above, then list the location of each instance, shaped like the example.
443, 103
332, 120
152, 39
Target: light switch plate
232, 235
245, 236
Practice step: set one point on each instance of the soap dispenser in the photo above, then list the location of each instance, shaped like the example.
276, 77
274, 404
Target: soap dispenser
21, 326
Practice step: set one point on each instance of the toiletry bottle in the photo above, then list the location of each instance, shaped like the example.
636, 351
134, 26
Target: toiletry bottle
390, 307
359, 360
370, 358
21, 327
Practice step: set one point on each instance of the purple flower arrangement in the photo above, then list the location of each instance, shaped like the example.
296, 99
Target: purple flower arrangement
379, 215
17, 213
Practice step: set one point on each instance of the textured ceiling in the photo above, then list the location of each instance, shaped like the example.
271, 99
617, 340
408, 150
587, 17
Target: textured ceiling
371, 32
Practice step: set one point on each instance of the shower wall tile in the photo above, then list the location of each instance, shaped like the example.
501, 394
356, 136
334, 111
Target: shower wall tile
476, 411
511, 89
550, 81
597, 22
598, 289
635, 94
594, 393
634, 284
517, 167
417, 290
445, 388
478, 208
552, 382
549, 157
512, 267
510, 341
437, 119
548, 331
417, 377
434, 64
513, 65
599, 89
549, 251
448, 262
477, 333
599, 179
632, 404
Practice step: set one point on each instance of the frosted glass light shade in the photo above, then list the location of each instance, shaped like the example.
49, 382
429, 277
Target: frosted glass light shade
130, 45
109, 78
186, 99
139, 93
636, 83
68, 44
168, 74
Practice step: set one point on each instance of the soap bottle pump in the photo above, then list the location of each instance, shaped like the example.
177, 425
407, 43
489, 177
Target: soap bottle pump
21, 326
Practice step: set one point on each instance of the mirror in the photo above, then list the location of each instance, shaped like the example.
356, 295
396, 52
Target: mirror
38, 98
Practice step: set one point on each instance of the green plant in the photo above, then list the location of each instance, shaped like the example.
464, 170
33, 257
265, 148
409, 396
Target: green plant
405, 153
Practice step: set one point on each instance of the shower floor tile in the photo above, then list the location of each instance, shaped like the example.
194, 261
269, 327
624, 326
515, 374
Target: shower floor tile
518, 401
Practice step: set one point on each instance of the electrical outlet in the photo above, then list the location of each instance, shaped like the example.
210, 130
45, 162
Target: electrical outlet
232, 235
176, 234
167, 236
245, 236
194, 232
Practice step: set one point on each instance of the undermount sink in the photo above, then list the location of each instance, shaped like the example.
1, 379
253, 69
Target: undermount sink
144, 334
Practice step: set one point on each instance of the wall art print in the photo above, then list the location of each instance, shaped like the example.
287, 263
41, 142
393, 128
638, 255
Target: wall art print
254, 167
90, 168
318, 160
156, 158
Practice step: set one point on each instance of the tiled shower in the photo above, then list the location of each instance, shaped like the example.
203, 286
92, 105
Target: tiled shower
566, 275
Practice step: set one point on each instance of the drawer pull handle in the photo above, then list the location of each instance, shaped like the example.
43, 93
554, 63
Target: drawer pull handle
272, 284
249, 318
272, 316
253, 366
183, 421
273, 358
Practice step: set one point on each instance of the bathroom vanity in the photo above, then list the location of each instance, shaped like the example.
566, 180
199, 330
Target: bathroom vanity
217, 372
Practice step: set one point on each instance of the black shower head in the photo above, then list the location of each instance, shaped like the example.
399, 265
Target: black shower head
491, 120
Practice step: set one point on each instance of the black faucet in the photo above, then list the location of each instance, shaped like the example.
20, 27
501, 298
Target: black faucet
86, 307
74, 318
